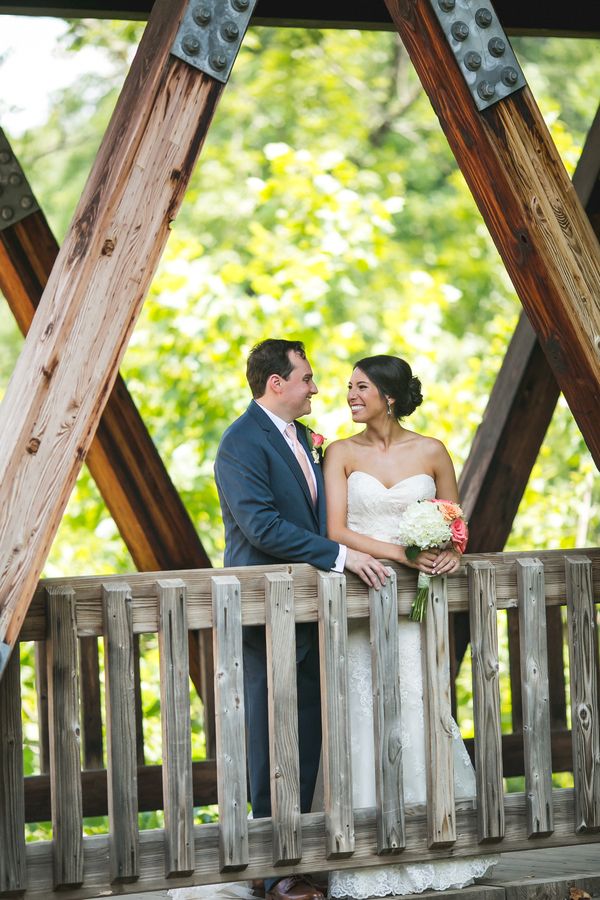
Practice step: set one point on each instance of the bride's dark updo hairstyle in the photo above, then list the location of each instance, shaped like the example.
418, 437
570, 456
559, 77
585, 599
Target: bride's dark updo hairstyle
393, 378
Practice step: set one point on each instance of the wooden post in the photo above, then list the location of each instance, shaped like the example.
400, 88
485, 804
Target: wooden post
530, 207
585, 691
231, 732
120, 732
71, 356
536, 709
280, 633
439, 756
65, 742
383, 607
486, 700
12, 801
337, 763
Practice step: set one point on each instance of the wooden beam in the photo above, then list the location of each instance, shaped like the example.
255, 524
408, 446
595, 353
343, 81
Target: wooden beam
536, 17
530, 207
64, 375
521, 404
122, 458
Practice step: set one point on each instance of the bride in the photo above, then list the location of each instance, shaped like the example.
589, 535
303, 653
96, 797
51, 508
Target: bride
370, 478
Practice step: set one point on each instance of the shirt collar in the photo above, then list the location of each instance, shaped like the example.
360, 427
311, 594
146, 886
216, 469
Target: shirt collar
279, 423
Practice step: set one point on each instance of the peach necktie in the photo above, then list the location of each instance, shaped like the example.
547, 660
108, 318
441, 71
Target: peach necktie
302, 458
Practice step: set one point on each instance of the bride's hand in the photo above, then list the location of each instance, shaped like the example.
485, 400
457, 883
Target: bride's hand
446, 561
424, 562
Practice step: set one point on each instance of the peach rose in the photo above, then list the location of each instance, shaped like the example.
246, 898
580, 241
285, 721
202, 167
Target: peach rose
317, 440
460, 535
449, 509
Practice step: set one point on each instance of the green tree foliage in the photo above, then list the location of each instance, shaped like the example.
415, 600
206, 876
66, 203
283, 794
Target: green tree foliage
328, 206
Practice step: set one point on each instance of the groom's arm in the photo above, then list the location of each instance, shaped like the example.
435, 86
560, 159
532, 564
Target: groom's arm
242, 480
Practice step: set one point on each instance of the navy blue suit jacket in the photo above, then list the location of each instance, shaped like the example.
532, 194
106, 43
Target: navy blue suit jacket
267, 510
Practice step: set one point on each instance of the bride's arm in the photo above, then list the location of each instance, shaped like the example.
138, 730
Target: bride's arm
448, 560
336, 471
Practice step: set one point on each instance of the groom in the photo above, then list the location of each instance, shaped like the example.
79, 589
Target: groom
272, 498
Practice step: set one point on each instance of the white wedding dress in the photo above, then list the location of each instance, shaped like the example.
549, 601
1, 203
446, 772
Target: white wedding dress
375, 510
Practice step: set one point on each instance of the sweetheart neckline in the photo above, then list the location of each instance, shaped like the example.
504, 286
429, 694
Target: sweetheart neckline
402, 480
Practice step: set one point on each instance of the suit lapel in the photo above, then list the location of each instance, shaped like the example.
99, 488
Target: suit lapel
279, 443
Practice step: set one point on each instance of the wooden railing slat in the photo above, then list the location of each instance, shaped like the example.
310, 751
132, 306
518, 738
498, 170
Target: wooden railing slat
585, 713
120, 733
176, 727
13, 875
337, 766
229, 720
41, 690
486, 700
435, 650
65, 737
386, 717
535, 694
280, 634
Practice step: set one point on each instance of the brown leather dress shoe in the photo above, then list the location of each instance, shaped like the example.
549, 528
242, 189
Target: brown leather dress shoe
294, 887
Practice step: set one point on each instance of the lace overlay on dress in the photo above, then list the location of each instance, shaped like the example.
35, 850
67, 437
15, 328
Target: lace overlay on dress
375, 510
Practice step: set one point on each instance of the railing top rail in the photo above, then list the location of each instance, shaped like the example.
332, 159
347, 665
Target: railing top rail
88, 591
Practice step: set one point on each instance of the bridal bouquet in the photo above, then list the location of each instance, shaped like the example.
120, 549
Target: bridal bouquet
426, 524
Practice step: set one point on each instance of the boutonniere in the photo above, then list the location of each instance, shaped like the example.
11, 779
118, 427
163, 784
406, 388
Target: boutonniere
315, 442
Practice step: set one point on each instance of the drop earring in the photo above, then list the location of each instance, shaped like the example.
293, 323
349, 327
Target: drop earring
389, 406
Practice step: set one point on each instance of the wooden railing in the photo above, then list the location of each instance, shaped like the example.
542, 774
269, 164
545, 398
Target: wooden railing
182, 853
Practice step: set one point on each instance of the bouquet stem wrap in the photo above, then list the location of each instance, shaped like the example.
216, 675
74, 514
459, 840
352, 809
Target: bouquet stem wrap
419, 607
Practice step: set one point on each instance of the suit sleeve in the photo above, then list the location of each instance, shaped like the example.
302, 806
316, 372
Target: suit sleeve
246, 490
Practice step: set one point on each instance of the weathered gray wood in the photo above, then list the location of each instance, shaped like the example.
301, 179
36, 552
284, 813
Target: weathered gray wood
486, 700
120, 733
229, 719
12, 803
435, 653
535, 694
65, 737
280, 630
313, 856
585, 711
337, 766
145, 607
176, 727
386, 717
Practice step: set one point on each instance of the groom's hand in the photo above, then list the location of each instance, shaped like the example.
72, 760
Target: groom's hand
370, 570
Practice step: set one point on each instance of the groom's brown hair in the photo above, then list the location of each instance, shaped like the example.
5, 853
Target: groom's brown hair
270, 357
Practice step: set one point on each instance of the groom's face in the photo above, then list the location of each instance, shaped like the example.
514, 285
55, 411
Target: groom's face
299, 387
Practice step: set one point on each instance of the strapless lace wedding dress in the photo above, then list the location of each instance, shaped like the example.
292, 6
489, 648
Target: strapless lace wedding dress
374, 510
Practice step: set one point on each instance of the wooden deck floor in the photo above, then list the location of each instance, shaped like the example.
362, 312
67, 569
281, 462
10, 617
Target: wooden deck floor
547, 874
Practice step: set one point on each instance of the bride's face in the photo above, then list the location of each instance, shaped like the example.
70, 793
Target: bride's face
364, 398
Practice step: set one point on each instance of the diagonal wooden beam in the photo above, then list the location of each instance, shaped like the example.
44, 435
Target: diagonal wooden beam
122, 458
70, 360
521, 404
530, 207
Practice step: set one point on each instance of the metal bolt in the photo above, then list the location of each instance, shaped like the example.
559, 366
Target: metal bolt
218, 61
6, 213
446, 5
230, 31
4, 157
460, 31
190, 45
240, 5
509, 76
26, 202
472, 60
201, 15
496, 46
483, 17
14, 178
486, 90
